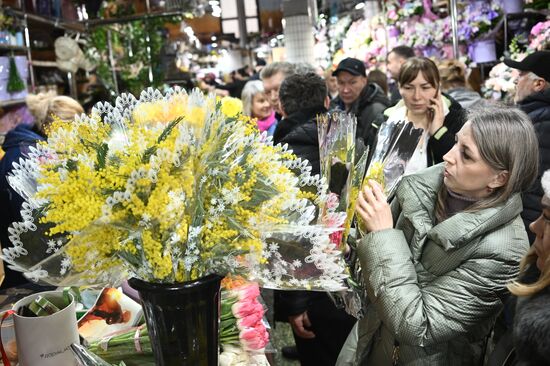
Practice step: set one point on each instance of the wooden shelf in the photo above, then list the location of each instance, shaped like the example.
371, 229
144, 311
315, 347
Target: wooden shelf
7, 103
7, 47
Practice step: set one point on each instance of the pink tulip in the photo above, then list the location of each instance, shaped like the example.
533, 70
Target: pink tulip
250, 320
251, 291
254, 338
246, 307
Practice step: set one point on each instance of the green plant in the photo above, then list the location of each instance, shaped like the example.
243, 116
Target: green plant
15, 83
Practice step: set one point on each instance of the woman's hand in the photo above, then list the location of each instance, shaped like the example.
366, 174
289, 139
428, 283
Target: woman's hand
373, 208
436, 110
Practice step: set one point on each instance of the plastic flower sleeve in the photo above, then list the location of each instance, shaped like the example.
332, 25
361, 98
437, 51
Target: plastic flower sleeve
395, 146
166, 188
301, 258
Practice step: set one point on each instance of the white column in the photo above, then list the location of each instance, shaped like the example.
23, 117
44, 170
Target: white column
298, 30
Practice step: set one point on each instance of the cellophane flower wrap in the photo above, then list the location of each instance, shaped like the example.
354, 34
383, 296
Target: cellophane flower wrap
343, 165
169, 188
394, 147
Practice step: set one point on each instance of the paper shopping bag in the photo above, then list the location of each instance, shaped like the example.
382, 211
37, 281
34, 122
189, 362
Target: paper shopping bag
46, 340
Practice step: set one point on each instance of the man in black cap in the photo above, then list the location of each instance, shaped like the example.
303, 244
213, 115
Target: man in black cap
355, 95
533, 97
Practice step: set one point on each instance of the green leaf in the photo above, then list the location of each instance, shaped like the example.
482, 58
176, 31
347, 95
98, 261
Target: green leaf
148, 153
72, 165
168, 129
101, 156
163, 136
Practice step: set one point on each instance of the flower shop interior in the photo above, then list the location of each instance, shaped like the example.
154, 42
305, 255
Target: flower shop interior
156, 210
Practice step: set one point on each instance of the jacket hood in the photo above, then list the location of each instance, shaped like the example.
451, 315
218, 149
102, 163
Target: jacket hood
537, 106
21, 135
456, 230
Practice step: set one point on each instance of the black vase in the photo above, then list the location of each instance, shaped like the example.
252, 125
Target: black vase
182, 320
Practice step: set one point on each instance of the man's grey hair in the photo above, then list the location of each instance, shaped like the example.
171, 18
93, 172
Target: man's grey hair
273, 68
287, 68
531, 75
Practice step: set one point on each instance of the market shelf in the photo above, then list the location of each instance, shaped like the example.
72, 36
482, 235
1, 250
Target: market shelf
7, 103
7, 47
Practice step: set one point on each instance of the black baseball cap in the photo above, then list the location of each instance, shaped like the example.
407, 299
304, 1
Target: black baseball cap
537, 62
351, 65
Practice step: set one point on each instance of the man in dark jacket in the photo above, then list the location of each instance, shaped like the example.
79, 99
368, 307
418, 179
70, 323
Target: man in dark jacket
320, 329
533, 97
355, 95
16, 145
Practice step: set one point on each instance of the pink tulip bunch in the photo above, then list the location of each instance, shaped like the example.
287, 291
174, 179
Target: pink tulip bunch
241, 318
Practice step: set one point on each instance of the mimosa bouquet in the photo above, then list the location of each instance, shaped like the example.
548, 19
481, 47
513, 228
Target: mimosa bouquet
169, 188
395, 145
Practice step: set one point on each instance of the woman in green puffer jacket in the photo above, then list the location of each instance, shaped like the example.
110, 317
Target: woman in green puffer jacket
436, 262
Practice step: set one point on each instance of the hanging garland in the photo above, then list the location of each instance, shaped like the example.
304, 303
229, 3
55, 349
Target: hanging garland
129, 43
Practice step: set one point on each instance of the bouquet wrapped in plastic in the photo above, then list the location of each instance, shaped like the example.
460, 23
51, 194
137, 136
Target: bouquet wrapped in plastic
170, 188
343, 165
395, 146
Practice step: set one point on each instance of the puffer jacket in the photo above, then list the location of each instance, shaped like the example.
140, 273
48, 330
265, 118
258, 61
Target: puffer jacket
435, 290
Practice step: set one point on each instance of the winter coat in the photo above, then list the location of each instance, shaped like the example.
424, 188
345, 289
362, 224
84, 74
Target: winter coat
444, 138
467, 98
435, 289
16, 145
299, 131
371, 103
528, 343
537, 107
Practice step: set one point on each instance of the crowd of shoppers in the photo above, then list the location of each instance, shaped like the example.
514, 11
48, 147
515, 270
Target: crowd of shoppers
442, 258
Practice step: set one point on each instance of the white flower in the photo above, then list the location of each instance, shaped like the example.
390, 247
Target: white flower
273, 247
145, 220
65, 265
296, 263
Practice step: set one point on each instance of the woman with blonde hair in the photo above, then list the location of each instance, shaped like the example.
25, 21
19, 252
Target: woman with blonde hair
528, 343
437, 261
453, 82
45, 106
17, 145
